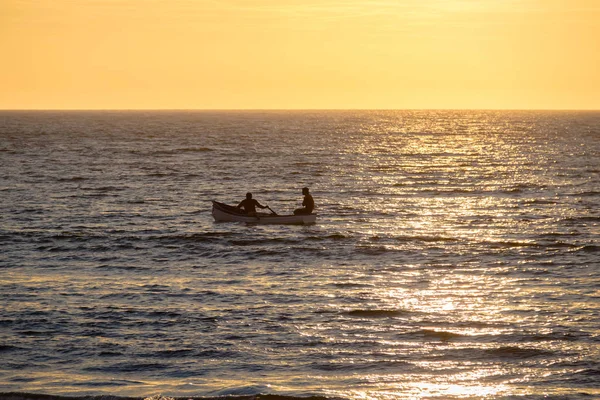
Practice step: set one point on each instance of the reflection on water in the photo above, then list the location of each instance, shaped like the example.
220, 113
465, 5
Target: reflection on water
456, 254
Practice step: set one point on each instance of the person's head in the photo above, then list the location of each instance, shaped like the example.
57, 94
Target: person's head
305, 191
248, 195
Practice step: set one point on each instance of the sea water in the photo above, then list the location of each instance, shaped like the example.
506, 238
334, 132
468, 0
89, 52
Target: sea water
456, 254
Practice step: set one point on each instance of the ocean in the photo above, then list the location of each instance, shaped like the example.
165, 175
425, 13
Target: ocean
456, 254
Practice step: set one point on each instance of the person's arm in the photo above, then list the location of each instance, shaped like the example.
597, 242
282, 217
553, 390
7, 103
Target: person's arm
259, 205
241, 204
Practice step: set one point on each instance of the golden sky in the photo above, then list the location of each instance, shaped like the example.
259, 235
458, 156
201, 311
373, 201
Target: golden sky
309, 54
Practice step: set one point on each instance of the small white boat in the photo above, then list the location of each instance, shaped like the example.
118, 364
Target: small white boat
226, 213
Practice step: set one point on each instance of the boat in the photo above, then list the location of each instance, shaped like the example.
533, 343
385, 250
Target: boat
225, 213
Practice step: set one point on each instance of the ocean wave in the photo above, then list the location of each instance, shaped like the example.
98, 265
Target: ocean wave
581, 219
207, 237
250, 392
440, 335
504, 353
7, 347
582, 377
267, 252
591, 248
590, 193
104, 189
377, 313
124, 367
367, 365
73, 236
333, 236
423, 238
533, 244
372, 250
550, 337
352, 284
176, 151
110, 354
240, 393
161, 174
517, 352
254, 242
112, 267
72, 179
541, 201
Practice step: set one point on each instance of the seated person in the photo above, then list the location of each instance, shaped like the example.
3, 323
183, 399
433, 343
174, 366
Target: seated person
249, 205
308, 203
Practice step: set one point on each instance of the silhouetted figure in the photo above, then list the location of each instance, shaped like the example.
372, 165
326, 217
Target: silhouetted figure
308, 203
249, 205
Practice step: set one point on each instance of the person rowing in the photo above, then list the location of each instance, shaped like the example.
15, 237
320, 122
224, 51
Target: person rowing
249, 205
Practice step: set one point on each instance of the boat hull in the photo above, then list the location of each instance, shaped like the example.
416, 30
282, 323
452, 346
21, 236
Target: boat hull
224, 213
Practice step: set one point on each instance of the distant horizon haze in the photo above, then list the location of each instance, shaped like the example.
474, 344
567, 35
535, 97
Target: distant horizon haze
300, 109
289, 54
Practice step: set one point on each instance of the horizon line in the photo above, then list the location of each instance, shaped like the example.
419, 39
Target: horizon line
299, 109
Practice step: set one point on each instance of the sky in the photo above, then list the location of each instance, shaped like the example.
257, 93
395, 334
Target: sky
300, 54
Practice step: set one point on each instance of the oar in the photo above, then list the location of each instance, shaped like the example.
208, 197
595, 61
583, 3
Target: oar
271, 210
